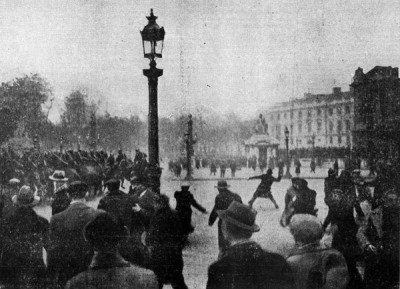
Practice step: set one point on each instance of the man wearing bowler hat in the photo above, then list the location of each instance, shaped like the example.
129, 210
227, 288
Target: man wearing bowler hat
222, 201
245, 264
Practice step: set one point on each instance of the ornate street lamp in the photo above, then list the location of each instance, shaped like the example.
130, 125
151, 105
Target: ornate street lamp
153, 42
287, 174
190, 141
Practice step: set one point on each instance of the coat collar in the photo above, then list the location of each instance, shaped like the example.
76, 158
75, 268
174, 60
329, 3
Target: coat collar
107, 260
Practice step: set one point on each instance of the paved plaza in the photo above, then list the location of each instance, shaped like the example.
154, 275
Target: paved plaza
202, 249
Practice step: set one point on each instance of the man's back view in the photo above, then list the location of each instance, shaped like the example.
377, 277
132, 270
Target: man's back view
69, 254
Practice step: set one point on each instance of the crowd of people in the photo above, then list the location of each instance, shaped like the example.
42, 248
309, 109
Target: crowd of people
136, 240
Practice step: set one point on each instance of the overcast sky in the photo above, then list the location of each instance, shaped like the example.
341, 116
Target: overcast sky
225, 55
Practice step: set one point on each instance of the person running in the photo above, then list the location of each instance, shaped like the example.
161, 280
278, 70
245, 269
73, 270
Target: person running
264, 188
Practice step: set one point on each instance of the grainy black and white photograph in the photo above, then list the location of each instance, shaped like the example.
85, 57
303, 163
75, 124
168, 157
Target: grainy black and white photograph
199, 144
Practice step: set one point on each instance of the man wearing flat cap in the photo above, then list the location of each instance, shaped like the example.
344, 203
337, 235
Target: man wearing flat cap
69, 254
245, 264
222, 202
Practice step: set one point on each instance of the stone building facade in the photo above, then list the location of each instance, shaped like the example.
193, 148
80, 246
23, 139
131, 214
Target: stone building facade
315, 120
377, 113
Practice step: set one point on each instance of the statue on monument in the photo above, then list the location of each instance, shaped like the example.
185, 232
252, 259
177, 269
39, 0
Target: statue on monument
261, 125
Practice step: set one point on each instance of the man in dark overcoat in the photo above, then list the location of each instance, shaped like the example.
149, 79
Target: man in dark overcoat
117, 203
184, 202
245, 264
341, 215
164, 243
378, 237
233, 168
108, 268
23, 236
121, 205
69, 253
264, 188
330, 183
61, 200
222, 201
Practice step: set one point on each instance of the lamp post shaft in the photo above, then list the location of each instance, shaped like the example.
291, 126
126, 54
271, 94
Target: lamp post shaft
287, 174
189, 149
61, 144
154, 173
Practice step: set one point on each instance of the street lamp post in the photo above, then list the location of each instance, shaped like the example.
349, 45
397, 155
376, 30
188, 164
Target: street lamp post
36, 142
287, 174
189, 148
313, 145
61, 143
79, 143
153, 41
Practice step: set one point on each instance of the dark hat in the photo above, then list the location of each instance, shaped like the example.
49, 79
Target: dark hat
241, 216
222, 184
269, 172
295, 179
331, 172
162, 200
26, 197
138, 177
78, 186
103, 229
302, 183
112, 182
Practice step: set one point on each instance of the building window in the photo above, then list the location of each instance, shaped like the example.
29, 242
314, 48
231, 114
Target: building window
319, 126
348, 128
347, 109
331, 140
330, 111
309, 127
309, 114
279, 116
278, 131
339, 139
339, 126
330, 127
272, 117
339, 110
284, 115
319, 112
291, 129
300, 114
299, 128
291, 115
